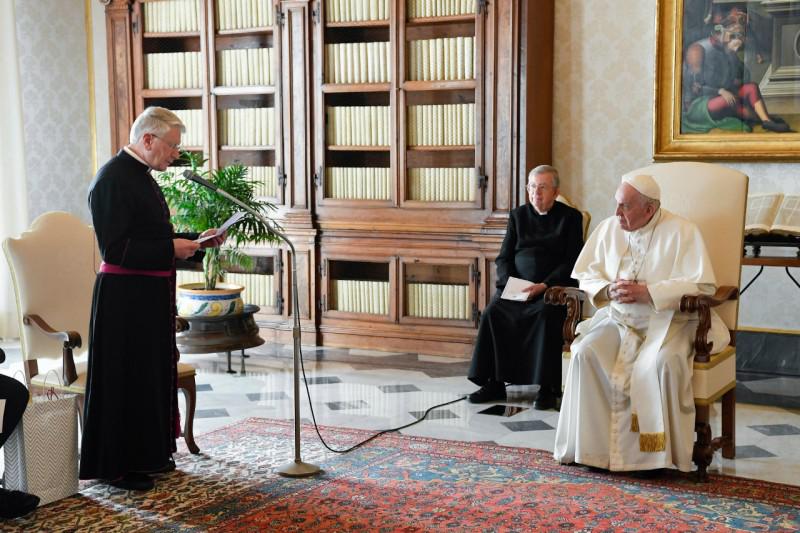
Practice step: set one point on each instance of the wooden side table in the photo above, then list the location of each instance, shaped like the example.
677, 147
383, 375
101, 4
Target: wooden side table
210, 334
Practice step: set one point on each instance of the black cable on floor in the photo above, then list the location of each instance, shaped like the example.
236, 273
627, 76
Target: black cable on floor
376, 435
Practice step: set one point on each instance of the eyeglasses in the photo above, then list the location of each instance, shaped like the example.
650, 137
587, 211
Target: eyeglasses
540, 187
173, 146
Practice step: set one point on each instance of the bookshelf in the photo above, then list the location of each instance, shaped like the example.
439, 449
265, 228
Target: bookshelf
393, 135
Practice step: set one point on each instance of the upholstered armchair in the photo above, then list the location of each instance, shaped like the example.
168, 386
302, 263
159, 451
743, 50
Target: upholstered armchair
713, 197
53, 267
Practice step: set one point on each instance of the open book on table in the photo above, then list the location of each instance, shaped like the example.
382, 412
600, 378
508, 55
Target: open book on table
776, 213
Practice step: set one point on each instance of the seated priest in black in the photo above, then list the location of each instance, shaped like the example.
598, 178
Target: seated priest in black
519, 342
13, 402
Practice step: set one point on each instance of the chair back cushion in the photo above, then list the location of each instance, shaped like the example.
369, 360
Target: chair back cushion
587, 218
53, 267
715, 198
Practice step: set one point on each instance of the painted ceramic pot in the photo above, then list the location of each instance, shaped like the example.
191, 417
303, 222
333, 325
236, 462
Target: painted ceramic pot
194, 300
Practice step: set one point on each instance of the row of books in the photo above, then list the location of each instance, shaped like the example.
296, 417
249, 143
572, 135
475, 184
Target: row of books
193, 120
172, 16
248, 66
358, 183
448, 58
441, 125
360, 296
355, 10
174, 70
433, 300
775, 213
439, 8
247, 126
358, 126
241, 14
441, 184
357, 62
259, 288
265, 177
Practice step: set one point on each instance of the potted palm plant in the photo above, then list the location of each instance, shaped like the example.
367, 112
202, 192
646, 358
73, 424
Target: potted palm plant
196, 209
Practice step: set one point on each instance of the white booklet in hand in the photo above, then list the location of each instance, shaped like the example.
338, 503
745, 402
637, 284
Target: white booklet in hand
515, 289
236, 217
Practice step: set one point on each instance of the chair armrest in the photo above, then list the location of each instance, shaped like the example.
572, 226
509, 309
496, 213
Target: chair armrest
181, 324
71, 339
573, 298
702, 304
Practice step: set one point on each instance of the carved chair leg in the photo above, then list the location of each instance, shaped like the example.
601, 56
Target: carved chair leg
703, 452
729, 424
187, 386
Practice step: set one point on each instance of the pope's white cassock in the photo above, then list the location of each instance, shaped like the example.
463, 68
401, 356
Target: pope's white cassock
628, 402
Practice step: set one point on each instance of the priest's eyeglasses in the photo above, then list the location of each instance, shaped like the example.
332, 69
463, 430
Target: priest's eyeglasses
176, 146
540, 187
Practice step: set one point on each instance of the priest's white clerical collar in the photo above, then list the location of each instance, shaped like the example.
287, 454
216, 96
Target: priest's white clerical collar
134, 155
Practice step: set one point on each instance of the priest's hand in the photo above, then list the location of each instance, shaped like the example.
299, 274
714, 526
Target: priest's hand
184, 248
213, 242
535, 290
627, 292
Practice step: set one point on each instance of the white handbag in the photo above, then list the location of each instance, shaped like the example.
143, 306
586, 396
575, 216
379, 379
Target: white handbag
41, 455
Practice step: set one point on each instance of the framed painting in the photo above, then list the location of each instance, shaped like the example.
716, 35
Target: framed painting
727, 80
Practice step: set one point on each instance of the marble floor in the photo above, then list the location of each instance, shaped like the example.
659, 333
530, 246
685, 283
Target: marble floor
377, 390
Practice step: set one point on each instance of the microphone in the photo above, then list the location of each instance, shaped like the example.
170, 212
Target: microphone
191, 176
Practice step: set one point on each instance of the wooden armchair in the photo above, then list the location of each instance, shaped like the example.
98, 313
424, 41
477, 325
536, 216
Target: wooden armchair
53, 267
714, 198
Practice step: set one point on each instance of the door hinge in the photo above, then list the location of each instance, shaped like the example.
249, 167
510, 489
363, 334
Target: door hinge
279, 304
476, 277
476, 315
315, 13
323, 303
318, 177
482, 6
135, 25
483, 180
321, 269
281, 177
279, 16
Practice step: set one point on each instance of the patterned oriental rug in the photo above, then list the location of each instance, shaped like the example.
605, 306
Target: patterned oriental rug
400, 483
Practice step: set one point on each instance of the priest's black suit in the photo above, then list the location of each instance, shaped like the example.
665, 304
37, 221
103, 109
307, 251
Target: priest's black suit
520, 342
131, 413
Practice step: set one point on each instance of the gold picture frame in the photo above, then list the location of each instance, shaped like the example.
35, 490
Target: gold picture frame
673, 109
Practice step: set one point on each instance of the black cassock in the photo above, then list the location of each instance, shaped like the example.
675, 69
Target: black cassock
130, 417
520, 342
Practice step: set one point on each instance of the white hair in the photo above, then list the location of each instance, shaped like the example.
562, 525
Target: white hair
545, 169
155, 120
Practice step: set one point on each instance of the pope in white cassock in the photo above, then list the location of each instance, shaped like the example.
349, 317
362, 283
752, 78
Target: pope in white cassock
628, 402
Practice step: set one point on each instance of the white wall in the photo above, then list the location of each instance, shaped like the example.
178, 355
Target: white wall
56, 102
604, 93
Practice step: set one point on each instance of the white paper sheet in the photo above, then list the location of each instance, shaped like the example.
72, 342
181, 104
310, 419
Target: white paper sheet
236, 217
514, 289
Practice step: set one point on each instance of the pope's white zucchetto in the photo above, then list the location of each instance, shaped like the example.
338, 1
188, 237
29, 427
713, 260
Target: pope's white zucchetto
643, 183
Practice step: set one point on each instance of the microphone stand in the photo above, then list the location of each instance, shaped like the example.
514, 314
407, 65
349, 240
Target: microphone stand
296, 468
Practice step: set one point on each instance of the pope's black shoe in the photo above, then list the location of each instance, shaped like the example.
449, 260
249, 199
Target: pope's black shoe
492, 391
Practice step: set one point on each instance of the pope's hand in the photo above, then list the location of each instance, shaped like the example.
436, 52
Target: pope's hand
628, 291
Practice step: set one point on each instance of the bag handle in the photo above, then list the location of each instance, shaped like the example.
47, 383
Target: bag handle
51, 393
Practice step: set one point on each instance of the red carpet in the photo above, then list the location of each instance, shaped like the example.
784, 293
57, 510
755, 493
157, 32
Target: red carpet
398, 483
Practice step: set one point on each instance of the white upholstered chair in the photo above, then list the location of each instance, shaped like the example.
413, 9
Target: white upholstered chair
53, 267
714, 197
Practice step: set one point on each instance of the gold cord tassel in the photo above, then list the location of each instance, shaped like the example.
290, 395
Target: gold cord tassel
652, 442
634, 423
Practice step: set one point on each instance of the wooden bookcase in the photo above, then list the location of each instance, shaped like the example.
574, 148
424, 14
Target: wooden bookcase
399, 141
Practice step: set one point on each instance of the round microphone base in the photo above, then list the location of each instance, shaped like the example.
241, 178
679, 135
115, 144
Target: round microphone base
298, 469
